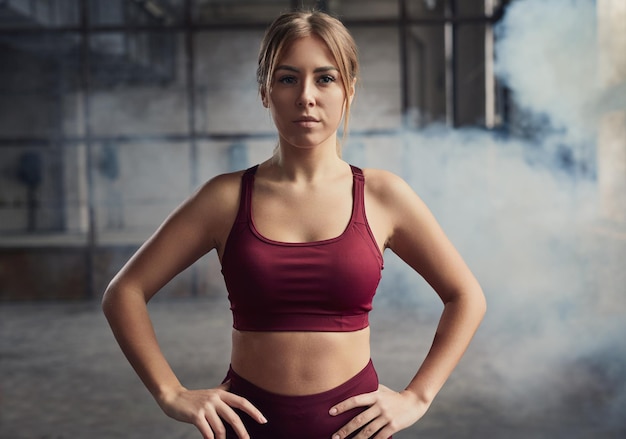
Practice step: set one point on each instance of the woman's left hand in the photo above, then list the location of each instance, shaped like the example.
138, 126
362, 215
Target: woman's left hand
388, 412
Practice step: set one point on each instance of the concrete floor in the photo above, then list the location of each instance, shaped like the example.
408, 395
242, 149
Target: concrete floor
62, 376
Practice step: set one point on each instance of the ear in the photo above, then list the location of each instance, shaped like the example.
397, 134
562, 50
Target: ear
352, 90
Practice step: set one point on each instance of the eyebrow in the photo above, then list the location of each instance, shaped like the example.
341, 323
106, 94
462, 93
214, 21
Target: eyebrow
297, 70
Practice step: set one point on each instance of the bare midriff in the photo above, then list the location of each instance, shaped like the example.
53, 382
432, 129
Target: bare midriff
299, 363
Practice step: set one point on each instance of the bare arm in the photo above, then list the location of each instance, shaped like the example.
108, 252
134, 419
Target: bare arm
414, 235
195, 228
419, 240
125, 300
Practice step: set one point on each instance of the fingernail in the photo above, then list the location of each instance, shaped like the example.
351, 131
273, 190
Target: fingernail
336, 437
263, 420
333, 411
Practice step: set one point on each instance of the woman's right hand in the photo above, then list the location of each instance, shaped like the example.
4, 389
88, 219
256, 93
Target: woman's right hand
209, 409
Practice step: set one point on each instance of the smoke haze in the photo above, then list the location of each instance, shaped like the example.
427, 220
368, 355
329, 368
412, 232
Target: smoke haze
524, 212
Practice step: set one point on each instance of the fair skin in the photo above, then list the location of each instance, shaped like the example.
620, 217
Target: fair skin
302, 194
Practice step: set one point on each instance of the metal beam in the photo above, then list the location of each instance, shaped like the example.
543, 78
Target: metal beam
246, 25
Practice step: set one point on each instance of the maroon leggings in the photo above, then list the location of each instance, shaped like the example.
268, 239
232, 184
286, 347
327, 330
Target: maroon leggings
302, 417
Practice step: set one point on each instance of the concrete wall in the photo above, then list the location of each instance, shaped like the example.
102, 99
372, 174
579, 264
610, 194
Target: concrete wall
142, 160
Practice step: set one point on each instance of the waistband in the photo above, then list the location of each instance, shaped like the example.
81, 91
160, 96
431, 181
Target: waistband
241, 385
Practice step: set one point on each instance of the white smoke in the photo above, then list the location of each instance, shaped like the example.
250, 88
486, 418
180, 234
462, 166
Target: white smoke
528, 224
548, 55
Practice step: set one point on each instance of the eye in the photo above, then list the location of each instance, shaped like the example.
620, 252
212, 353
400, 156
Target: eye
287, 80
326, 79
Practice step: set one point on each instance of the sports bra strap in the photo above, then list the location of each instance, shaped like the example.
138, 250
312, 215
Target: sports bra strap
245, 204
247, 182
358, 204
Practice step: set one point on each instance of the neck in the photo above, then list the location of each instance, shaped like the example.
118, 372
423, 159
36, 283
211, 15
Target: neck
295, 163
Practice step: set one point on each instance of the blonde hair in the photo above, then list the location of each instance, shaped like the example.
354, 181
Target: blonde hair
291, 26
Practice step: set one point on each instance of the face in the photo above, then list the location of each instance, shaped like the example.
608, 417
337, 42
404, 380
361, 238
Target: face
306, 98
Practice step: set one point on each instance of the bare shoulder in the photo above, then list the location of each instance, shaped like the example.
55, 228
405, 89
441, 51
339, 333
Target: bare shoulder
197, 226
222, 188
386, 187
403, 205
217, 201
209, 212
390, 203
398, 203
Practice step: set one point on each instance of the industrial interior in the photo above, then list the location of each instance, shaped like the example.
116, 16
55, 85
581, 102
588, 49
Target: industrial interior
508, 117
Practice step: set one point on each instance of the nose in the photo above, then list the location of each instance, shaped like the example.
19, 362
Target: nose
306, 97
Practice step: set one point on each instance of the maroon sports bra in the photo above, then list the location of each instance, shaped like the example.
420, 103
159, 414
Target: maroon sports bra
324, 285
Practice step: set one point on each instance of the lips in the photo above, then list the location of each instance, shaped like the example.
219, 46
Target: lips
306, 119
306, 122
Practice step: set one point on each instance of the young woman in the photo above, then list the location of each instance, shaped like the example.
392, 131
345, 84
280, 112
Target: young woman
300, 238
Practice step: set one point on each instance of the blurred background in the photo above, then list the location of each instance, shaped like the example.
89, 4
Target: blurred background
508, 117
